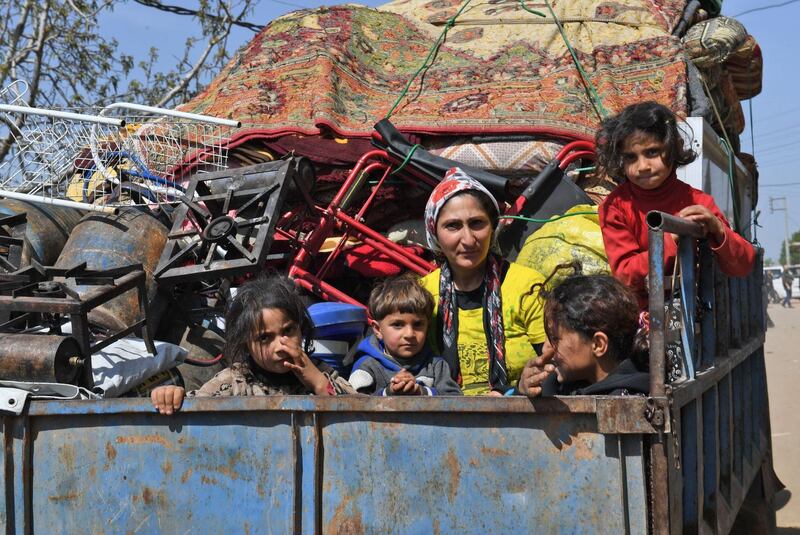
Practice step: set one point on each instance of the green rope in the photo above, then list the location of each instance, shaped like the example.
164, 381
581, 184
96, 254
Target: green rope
593, 96
408, 158
590, 168
529, 10
555, 218
425, 64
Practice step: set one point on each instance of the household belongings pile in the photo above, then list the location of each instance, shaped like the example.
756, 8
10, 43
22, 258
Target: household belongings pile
119, 302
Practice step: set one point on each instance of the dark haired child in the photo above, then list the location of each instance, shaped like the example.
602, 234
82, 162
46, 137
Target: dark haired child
594, 347
267, 340
642, 145
395, 360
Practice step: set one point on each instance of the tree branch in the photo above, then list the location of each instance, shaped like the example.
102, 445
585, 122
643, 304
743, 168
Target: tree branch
187, 78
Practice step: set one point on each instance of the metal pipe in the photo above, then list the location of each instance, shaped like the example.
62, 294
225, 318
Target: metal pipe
657, 313
584, 154
173, 113
384, 241
574, 145
57, 202
676, 225
56, 114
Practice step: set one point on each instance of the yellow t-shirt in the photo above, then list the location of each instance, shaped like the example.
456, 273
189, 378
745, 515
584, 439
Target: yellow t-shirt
523, 321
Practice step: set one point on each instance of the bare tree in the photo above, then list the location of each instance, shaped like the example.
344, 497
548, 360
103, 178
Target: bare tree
57, 47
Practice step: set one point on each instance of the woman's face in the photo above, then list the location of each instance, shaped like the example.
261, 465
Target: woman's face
268, 341
464, 231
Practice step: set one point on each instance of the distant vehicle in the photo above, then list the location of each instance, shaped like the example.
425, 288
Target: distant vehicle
776, 272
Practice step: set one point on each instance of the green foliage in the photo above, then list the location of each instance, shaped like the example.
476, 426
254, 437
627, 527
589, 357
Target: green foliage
58, 49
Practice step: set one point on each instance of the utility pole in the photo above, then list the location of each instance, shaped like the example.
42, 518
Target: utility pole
774, 206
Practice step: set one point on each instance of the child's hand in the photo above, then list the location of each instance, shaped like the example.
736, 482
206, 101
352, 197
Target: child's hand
167, 399
404, 383
536, 371
299, 363
710, 223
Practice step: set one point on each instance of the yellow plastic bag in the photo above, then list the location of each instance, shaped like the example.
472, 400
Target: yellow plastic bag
573, 238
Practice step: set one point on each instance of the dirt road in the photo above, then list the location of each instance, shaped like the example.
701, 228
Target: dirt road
783, 382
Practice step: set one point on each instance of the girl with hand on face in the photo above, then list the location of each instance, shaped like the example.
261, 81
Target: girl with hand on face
643, 146
488, 318
267, 340
595, 344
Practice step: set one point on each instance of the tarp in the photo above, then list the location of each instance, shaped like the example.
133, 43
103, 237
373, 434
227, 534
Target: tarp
501, 69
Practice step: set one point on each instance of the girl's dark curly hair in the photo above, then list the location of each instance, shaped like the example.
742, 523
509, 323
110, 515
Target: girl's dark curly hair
587, 304
243, 315
649, 118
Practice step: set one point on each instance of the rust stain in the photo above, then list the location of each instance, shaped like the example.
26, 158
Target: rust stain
67, 452
111, 452
147, 495
246, 528
228, 471
166, 467
495, 452
65, 498
135, 498
436, 529
145, 439
583, 448
453, 466
208, 480
474, 462
343, 523
260, 490
186, 475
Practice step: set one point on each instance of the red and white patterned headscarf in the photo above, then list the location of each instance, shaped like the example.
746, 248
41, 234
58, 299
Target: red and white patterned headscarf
455, 181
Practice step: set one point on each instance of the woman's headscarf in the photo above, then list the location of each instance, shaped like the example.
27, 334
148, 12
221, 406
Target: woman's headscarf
457, 181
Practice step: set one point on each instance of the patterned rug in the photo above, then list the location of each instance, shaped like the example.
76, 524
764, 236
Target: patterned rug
502, 70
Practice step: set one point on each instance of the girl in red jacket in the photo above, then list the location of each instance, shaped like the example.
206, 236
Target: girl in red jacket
642, 145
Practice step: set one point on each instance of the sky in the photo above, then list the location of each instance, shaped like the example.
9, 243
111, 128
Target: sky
775, 129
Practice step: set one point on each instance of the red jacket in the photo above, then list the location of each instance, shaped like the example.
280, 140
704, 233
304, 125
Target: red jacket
622, 219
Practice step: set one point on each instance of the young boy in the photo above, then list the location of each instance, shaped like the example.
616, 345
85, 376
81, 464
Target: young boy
395, 360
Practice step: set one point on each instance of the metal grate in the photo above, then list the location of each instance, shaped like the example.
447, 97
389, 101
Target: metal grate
123, 154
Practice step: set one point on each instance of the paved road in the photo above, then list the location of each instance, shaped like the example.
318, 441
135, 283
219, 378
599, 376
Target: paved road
783, 382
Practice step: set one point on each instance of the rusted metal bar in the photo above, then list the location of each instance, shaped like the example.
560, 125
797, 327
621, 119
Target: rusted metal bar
615, 415
657, 314
365, 404
676, 225
658, 467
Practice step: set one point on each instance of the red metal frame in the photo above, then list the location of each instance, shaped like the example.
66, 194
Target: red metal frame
333, 219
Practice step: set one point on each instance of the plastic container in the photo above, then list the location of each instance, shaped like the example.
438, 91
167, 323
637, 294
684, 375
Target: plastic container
338, 321
337, 326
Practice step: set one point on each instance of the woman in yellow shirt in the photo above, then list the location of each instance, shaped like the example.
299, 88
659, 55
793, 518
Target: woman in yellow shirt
488, 319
